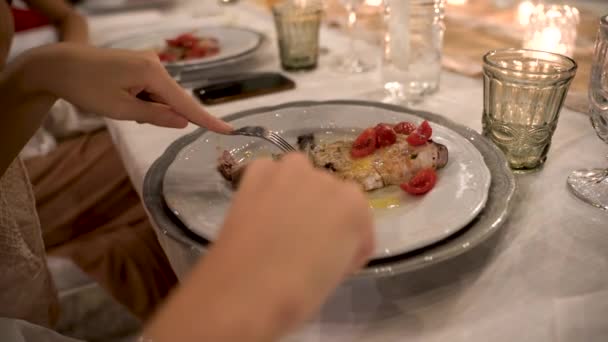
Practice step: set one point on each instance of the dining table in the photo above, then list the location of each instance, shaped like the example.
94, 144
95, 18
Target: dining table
543, 276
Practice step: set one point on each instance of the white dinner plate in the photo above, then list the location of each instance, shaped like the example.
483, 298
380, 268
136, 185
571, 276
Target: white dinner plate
199, 197
234, 43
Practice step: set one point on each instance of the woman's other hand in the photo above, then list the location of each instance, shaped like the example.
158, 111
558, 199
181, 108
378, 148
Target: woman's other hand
107, 82
290, 237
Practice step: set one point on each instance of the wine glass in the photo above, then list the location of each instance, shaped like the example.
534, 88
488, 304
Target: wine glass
592, 185
351, 63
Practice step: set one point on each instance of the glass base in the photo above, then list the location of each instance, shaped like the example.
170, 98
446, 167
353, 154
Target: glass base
397, 93
393, 93
525, 171
351, 65
296, 68
590, 186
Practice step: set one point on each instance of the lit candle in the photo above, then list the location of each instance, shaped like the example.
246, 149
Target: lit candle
371, 7
457, 2
551, 28
524, 11
548, 39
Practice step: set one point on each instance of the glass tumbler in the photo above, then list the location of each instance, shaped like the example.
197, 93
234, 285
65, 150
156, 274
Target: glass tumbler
524, 91
351, 62
298, 27
413, 43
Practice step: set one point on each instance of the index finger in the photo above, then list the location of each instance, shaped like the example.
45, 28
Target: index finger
181, 102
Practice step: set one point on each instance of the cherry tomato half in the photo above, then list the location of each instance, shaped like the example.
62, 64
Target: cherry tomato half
404, 128
189, 44
421, 135
167, 57
422, 182
187, 37
173, 42
183, 40
425, 130
365, 144
385, 136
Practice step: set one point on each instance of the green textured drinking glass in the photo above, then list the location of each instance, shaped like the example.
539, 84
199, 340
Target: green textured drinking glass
524, 91
298, 29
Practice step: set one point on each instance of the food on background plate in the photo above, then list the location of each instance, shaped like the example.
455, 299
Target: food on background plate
187, 46
380, 156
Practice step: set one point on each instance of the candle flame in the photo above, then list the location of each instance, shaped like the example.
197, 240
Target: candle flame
548, 39
375, 3
524, 11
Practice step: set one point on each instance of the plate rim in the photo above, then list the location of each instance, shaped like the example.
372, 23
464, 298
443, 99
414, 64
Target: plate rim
196, 63
380, 252
156, 207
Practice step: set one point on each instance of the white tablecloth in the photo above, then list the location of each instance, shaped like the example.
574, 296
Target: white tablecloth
543, 277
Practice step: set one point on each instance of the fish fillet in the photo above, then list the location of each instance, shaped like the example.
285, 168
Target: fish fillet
392, 165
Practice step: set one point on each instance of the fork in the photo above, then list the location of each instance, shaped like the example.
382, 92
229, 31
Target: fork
264, 133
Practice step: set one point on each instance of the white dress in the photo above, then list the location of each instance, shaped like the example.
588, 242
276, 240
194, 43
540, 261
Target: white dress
28, 300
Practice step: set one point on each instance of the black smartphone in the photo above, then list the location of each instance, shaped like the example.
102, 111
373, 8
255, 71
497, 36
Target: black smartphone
243, 87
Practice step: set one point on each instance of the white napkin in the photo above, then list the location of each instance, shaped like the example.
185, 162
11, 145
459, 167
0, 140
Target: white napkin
42, 143
63, 120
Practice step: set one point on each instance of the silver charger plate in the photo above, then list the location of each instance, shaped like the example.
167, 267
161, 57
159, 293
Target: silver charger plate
235, 44
485, 224
197, 194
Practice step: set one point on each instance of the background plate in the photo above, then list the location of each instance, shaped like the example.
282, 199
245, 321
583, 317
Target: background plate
234, 43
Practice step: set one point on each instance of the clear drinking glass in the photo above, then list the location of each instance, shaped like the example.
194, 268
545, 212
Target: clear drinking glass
592, 185
298, 34
351, 62
413, 45
524, 91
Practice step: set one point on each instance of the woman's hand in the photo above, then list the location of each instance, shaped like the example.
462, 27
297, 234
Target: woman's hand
107, 82
291, 236
100, 81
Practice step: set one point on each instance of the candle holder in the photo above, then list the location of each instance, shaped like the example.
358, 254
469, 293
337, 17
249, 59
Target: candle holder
552, 28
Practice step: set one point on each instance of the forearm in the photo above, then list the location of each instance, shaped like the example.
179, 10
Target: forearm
74, 28
23, 108
215, 304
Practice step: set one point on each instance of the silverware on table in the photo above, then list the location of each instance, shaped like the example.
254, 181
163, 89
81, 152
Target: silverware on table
264, 133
